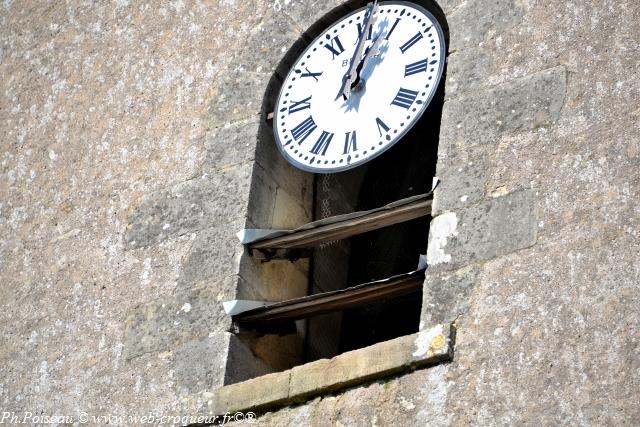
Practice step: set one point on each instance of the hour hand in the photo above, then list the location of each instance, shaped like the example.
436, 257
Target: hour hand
346, 81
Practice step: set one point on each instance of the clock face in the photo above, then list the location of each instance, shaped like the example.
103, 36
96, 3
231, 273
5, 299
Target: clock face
331, 116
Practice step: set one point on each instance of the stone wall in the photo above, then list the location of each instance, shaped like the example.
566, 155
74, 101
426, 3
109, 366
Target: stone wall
533, 250
131, 155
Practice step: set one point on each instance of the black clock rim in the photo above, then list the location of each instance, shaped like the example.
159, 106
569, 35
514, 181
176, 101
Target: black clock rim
401, 134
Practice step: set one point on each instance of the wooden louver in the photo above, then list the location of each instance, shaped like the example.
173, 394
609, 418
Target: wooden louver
313, 305
341, 227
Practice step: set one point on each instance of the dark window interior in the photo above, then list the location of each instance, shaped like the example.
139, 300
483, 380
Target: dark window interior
405, 170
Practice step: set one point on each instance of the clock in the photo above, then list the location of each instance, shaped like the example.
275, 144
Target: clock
359, 87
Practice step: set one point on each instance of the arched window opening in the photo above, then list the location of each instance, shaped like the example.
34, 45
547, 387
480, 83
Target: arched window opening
286, 289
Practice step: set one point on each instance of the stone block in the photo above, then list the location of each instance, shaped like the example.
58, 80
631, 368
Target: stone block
280, 352
289, 213
445, 295
433, 344
349, 368
467, 69
241, 363
463, 176
385, 358
481, 232
241, 142
237, 143
306, 13
199, 365
427, 347
237, 96
276, 280
231, 144
275, 167
448, 6
267, 42
268, 390
262, 199
472, 22
191, 206
191, 314
522, 105
215, 254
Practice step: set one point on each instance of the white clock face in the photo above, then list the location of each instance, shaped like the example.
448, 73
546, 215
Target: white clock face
317, 129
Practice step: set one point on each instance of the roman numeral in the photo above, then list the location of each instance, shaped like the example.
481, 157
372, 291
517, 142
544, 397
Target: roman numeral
382, 125
392, 28
321, 145
300, 105
303, 130
338, 49
369, 36
416, 67
309, 74
415, 39
350, 142
404, 98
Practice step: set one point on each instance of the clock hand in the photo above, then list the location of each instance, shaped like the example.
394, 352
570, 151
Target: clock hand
348, 78
370, 53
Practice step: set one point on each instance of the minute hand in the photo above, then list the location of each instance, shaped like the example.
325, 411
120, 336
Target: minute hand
371, 52
370, 18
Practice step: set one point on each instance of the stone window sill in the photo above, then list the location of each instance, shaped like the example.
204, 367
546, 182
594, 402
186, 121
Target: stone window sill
427, 347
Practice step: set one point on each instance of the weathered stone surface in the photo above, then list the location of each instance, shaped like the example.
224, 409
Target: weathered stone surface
237, 96
271, 389
416, 398
260, 53
445, 295
565, 301
523, 105
199, 364
215, 254
189, 315
288, 212
231, 145
463, 177
273, 167
467, 70
473, 22
191, 206
277, 280
449, 6
497, 227
236, 144
274, 184
242, 364
262, 199
379, 360
306, 13
429, 346
101, 106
